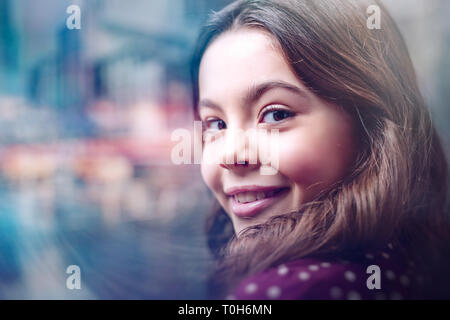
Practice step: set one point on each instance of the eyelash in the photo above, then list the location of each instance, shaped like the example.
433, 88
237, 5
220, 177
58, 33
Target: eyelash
206, 122
271, 108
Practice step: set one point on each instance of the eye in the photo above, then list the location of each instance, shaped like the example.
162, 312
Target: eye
214, 124
275, 114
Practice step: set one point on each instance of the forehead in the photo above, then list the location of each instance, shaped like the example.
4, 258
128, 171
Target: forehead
239, 59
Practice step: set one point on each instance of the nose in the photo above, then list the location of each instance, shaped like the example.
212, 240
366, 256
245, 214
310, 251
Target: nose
240, 151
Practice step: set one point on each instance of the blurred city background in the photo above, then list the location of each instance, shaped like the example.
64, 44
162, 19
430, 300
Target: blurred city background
85, 122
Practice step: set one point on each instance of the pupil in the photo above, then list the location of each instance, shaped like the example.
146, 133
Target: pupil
278, 115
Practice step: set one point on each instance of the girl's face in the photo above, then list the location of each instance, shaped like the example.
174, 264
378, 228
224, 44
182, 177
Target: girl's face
245, 83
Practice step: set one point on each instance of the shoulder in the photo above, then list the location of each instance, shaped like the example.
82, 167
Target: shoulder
374, 275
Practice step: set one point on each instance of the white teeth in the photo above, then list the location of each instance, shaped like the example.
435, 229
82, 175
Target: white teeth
250, 196
239, 197
244, 197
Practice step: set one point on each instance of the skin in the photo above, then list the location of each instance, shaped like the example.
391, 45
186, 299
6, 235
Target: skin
317, 140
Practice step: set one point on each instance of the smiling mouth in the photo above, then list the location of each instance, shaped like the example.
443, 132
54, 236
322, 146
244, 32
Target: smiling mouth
250, 203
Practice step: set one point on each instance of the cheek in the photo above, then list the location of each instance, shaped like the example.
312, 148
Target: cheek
208, 175
300, 164
211, 176
319, 156
210, 170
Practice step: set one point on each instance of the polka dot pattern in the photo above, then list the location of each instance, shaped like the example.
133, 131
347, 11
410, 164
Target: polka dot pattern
336, 292
342, 279
390, 274
404, 280
313, 267
274, 292
303, 276
251, 288
353, 295
369, 256
350, 276
282, 270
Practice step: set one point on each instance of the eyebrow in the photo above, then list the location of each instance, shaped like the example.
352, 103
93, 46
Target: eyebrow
256, 91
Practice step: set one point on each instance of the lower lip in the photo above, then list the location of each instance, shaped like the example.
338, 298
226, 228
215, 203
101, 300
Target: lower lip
251, 209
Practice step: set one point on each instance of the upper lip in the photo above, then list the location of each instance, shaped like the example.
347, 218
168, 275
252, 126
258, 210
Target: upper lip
251, 188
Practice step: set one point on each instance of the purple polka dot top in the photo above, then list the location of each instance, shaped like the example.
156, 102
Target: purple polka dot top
376, 275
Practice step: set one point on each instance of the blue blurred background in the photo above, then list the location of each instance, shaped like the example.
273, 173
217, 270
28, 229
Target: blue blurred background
85, 122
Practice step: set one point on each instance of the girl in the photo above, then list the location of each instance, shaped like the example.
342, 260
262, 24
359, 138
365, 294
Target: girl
357, 206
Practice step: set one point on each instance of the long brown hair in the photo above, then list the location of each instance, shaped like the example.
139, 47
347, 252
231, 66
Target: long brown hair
396, 190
